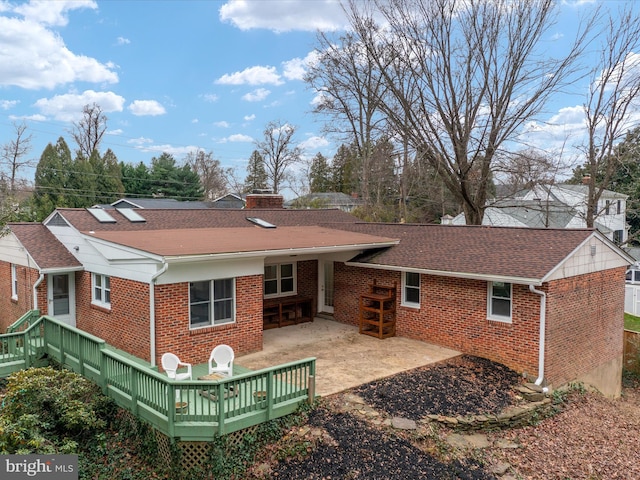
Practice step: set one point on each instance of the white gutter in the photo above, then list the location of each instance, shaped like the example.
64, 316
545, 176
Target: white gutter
543, 318
152, 312
442, 273
35, 291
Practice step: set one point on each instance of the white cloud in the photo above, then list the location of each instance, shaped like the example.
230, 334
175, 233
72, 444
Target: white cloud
303, 15
248, 118
314, 143
7, 104
170, 149
257, 75
195, 120
146, 107
237, 138
296, 68
257, 95
210, 97
32, 118
52, 13
122, 41
221, 124
68, 107
34, 56
140, 141
117, 131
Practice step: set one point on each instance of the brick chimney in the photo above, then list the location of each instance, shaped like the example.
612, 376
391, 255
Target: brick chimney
258, 199
586, 179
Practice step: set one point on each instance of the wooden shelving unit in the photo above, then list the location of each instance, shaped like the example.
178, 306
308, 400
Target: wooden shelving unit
281, 312
378, 311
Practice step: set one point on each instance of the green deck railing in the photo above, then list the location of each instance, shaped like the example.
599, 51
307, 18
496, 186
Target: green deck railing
24, 321
192, 410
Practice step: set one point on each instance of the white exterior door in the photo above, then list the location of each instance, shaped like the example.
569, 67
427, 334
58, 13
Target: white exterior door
61, 297
325, 297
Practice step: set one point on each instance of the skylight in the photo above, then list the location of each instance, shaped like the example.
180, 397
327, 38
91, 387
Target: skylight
260, 222
101, 215
131, 215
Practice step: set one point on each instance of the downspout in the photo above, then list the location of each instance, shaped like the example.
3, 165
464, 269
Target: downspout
543, 318
35, 291
152, 311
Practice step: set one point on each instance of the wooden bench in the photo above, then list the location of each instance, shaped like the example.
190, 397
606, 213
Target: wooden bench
283, 311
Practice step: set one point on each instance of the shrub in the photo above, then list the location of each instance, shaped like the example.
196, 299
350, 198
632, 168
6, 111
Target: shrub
47, 410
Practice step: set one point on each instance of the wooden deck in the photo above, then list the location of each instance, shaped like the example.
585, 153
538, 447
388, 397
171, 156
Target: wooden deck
206, 408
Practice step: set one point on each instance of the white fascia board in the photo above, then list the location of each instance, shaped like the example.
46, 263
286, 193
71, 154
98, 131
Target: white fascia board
62, 270
114, 252
280, 252
13, 251
441, 273
595, 234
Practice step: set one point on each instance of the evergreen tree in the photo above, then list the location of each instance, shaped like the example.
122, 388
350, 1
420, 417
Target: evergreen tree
320, 178
81, 187
170, 181
256, 173
344, 171
52, 178
108, 177
136, 180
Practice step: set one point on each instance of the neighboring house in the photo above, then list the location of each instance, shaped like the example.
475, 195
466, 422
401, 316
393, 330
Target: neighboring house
545, 302
149, 203
342, 201
558, 206
230, 200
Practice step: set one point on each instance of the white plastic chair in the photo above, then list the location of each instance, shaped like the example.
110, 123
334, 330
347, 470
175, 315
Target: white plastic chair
171, 363
223, 357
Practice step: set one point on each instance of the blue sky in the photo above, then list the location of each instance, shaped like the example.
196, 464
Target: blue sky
178, 75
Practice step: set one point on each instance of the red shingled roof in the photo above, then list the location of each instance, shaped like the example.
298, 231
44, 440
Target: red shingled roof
215, 241
44, 248
475, 250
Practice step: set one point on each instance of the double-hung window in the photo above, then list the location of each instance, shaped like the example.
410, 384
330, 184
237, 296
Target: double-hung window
211, 302
411, 289
101, 290
14, 281
499, 301
279, 279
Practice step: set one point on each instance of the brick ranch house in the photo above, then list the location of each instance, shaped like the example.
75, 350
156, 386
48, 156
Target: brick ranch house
547, 303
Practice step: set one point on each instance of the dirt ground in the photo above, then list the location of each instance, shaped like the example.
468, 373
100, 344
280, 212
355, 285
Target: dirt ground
344, 357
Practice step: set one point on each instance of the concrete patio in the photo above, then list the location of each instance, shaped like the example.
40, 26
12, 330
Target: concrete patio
344, 357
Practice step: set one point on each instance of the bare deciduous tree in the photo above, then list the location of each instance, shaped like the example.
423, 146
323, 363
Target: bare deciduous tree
88, 132
611, 107
461, 77
13, 155
278, 152
212, 175
350, 87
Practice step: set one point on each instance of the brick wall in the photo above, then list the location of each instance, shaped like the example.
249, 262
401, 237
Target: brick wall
264, 200
585, 321
307, 279
583, 327
194, 346
10, 309
126, 324
452, 313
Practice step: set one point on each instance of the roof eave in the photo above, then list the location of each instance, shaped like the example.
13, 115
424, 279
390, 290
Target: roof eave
442, 273
277, 252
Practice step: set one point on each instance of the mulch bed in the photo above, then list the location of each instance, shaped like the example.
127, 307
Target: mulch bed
359, 450
462, 386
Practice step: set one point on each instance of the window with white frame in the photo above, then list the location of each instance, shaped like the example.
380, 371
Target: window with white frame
14, 281
211, 302
411, 289
101, 290
279, 279
499, 301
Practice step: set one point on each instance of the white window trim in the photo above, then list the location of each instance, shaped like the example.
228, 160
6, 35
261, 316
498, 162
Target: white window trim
14, 282
212, 321
100, 302
499, 318
279, 278
405, 302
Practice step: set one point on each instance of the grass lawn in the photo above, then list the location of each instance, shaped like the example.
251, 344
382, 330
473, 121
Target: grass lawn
631, 322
